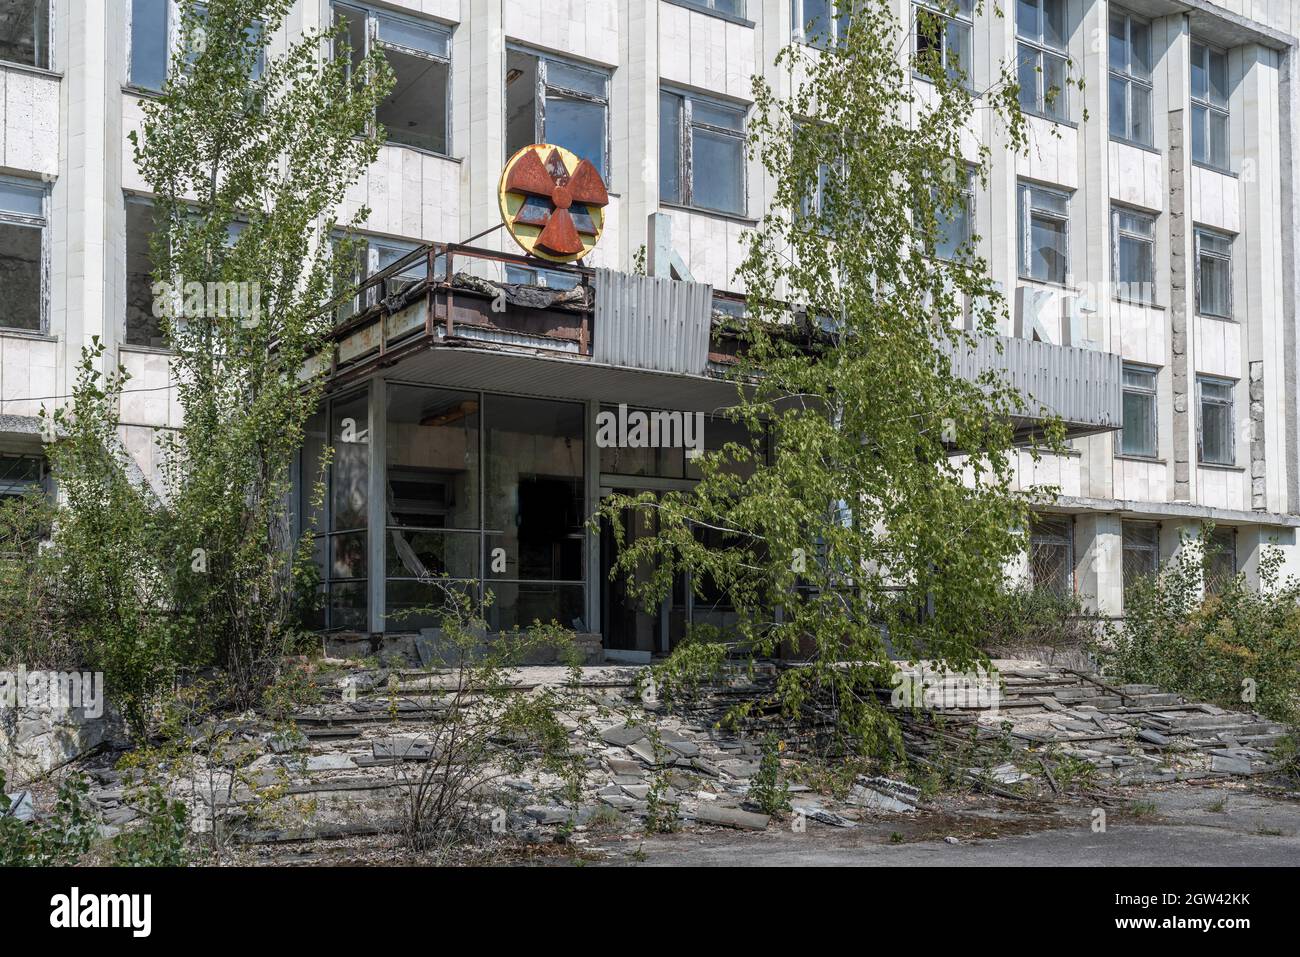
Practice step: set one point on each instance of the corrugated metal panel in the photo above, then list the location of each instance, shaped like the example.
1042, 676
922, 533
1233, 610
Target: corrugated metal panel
1082, 386
644, 322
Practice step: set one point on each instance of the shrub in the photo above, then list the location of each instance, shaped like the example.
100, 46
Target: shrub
1032, 619
1237, 646
59, 840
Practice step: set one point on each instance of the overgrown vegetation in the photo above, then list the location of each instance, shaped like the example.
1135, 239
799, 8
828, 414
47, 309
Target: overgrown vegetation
1038, 621
865, 501
1237, 646
248, 155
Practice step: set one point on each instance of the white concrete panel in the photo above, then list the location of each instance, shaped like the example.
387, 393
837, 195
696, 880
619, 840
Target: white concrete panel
29, 121
1136, 176
28, 374
1052, 154
1218, 347
1216, 200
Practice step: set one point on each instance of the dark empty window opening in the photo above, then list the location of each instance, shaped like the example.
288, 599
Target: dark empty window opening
23, 244
555, 101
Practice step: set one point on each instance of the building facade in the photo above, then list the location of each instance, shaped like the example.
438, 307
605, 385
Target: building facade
1147, 240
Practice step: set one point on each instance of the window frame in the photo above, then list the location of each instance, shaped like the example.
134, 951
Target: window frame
1209, 107
1039, 537
544, 88
1131, 545
15, 489
49, 66
41, 222
1153, 395
685, 152
1116, 232
372, 17
1201, 253
1041, 48
1025, 211
1230, 404
942, 220
1129, 78
964, 16
799, 25
710, 7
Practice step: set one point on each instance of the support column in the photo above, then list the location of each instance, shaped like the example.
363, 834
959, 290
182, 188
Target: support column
1099, 563
377, 505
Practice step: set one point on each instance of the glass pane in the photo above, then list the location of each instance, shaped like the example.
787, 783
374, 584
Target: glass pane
670, 139
1214, 287
957, 53
719, 177
432, 440
315, 436
1218, 139
817, 22
571, 77
577, 125
619, 457
1139, 378
1049, 201
1054, 89
519, 604
347, 606
149, 43
1139, 434
721, 116
1200, 78
1200, 134
1142, 131
1054, 31
735, 7
423, 554
20, 276
1118, 43
1218, 78
413, 605
415, 111
1216, 432
1214, 243
1139, 49
1136, 223
413, 36
1027, 77
143, 328
952, 230
354, 36
1136, 276
1027, 23
25, 32
1118, 108
1217, 391
350, 470
1048, 258
22, 199
534, 494
348, 555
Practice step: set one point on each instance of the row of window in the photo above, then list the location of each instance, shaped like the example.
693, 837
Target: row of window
1051, 554
1215, 432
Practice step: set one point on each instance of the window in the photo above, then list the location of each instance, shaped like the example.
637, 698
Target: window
150, 44
23, 245
735, 8
1138, 435
374, 255
1209, 106
820, 23
1134, 242
953, 229
943, 43
552, 101
1140, 543
1051, 555
1044, 234
1040, 54
20, 474
25, 32
1213, 274
416, 109
701, 153
1220, 559
143, 328
1215, 437
1130, 79
546, 278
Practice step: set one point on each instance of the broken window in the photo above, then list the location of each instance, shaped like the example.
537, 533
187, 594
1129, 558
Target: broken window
1041, 58
23, 243
1209, 106
1220, 559
373, 256
416, 110
701, 153
554, 101
1044, 234
25, 32
20, 474
143, 328
943, 38
346, 545
546, 278
1140, 548
1215, 436
1051, 555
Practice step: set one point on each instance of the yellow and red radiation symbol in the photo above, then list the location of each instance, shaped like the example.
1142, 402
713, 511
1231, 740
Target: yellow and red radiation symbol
553, 203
